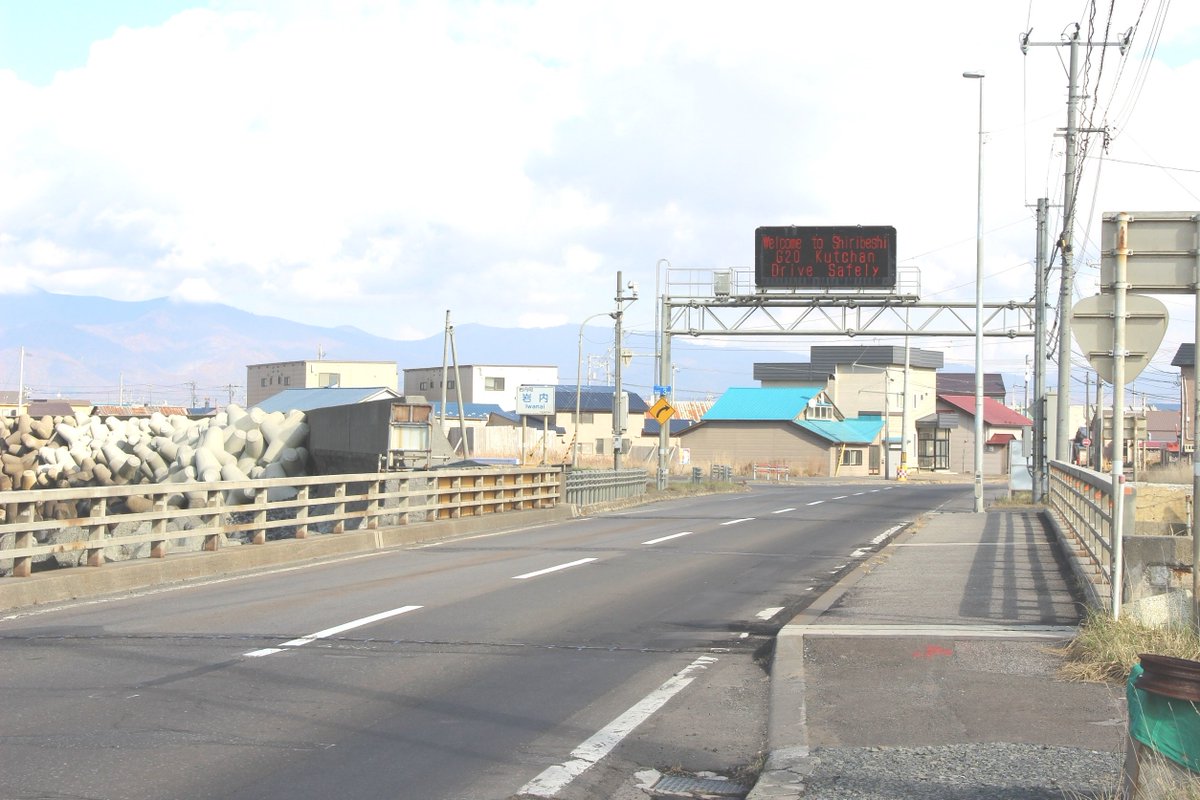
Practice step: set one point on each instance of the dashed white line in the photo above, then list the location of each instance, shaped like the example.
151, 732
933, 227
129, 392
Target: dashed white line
548, 570
843, 497
783, 511
325, 634
816, 502
666, 538
736, 521
859, 494
554, 779
767, 613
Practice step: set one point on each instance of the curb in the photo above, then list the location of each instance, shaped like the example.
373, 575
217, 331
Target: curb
787, 766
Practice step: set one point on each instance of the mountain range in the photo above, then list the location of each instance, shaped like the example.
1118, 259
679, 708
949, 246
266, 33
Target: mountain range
163, 351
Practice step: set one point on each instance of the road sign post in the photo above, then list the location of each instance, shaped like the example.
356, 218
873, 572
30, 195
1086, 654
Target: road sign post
1160, 253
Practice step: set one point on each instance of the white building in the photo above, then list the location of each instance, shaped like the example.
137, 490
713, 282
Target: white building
265, 380
480, 383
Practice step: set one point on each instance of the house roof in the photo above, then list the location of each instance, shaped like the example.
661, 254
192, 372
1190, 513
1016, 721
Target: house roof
1185, 356
1001, 438
964, 383
49, 408
308, 399
593, 399
858, 430
128, 412
766, 403
994, 412
470, 410
651, 426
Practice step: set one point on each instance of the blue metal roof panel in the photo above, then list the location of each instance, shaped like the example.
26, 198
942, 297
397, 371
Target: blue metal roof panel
470, 410
768, 403
859, 430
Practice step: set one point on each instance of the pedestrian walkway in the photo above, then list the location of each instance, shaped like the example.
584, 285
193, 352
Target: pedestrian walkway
930, 672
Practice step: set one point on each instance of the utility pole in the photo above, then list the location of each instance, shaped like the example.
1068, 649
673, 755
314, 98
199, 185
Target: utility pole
1067, 283
618, 427
1039, 352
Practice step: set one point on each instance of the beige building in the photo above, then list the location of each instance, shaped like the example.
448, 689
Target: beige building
868, 380
265, 380
796, 427
480, 383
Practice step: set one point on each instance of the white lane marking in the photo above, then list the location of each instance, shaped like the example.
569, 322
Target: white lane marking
553, 569
33, 612
861, 552
843, 497
666, 538
816, 502
554, 779
859, 494
881, 537
873, 491
325, 634
783, 511
767, 613
736, 521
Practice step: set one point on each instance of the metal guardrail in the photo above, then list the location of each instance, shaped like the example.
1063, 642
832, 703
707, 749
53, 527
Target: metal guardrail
145, 519
766, 472
587, 486
1083, 501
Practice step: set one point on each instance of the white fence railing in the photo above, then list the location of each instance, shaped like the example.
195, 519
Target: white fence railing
1082, 499
92, 525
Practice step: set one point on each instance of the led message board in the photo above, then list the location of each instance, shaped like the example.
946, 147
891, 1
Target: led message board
827, 257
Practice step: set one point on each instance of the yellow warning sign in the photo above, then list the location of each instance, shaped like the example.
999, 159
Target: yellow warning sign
662, 410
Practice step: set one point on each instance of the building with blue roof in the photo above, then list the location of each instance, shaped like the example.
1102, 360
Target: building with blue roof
797, 426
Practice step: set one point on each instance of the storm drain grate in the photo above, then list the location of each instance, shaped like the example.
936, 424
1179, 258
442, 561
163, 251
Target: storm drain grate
706, 786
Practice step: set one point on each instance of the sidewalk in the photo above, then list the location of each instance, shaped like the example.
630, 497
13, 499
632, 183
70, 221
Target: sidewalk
928, 673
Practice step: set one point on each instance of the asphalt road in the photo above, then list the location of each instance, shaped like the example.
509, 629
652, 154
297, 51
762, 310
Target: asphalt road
551, 661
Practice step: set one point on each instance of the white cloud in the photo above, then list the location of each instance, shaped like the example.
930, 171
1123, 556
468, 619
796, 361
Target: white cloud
375, 164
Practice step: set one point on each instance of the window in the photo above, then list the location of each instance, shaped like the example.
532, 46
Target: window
852, 458
493, 384
586, 418
262, 381
449, 384
820, 411
287, 380
424, 385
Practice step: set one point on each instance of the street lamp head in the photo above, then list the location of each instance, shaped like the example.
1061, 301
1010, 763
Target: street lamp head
973, 74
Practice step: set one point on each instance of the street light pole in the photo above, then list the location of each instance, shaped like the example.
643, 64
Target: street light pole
976, 75
578, 385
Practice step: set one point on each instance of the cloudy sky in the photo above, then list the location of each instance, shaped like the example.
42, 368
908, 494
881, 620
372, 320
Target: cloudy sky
377, 163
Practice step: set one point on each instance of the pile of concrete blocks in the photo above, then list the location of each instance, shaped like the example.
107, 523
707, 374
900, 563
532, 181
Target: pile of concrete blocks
71, 451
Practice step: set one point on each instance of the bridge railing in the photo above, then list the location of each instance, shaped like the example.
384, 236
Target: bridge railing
587, 486
79, 525
1082, 499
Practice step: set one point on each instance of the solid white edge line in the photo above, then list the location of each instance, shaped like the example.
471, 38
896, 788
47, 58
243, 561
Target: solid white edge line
336, 629
736, 521
554, 779
552, 569
767, 613
665, 538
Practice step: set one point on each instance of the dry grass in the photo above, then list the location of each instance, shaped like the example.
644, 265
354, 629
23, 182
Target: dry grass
1105, 649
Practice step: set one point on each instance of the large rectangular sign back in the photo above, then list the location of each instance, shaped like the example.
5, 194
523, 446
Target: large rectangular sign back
826, 257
